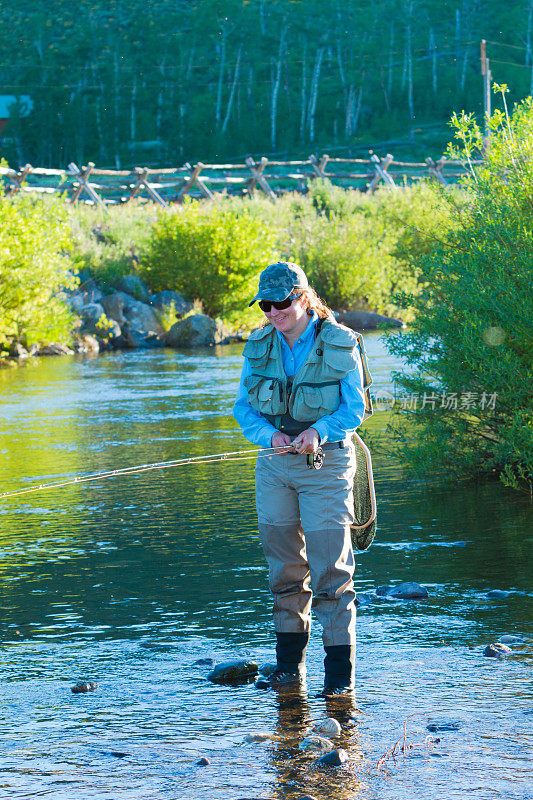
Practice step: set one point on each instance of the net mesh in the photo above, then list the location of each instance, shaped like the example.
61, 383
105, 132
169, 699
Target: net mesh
364, 527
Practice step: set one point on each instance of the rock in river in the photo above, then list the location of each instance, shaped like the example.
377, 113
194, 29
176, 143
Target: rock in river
314, 742
409, 590
83, 686
512, 641
497, 594
334, 759
328, 727
497, 650
233, 671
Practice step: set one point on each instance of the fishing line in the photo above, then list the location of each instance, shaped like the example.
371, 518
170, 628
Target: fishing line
235, 455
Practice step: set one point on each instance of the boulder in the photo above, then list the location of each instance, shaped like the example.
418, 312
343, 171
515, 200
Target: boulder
75, 301
89, 289
497, 594
367, 320
334, 759
203, 762
135, 338
16, 350
197, 330
87, 344
366, 598
233, 671
134, 286
113, 305
497, 650
55, 349
140, 316
90, 315
168, 299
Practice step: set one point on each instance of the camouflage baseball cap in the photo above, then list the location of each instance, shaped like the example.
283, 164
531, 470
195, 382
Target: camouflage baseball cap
277, 281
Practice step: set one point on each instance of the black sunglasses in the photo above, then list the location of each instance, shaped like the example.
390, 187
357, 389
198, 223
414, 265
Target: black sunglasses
279, 305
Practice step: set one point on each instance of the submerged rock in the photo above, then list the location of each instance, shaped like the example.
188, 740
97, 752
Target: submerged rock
328, 727
203, 762
435, 725
497, 594
512, 641
408, 590
366, 598
497, 650
83, 686
315, 742
204, 662
334, 759
257, 737
232, 671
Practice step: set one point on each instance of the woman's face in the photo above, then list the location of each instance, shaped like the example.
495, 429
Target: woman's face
289, 320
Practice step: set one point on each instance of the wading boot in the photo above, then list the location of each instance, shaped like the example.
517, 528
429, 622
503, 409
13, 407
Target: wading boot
339, 666
290, 662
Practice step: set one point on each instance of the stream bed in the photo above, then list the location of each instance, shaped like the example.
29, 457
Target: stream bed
129, 581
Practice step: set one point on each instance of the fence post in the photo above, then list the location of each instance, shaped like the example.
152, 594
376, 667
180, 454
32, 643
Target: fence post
435, 169
194, 178
141, 174
257, 177
18, 178
83, 178
319, 166
381, 166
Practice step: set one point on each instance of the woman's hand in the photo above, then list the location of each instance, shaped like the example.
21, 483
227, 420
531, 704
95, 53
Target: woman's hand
280, 439
307, 441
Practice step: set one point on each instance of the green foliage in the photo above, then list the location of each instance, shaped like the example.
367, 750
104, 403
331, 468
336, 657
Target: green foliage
34, 267
473, 330
108, 246
210, 252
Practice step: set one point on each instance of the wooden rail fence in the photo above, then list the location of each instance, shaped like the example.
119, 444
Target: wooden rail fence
104, 187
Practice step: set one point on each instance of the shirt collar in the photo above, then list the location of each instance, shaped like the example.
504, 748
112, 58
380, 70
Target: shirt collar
308, 334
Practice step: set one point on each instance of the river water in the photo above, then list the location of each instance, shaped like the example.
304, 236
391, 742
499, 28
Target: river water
129, 581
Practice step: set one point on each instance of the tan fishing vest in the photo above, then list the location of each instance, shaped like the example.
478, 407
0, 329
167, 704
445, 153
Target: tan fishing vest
314, 391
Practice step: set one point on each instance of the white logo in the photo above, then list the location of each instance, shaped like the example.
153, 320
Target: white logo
384, 400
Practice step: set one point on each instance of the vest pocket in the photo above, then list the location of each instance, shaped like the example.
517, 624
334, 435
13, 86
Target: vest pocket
340, 359
311, 401
266, 395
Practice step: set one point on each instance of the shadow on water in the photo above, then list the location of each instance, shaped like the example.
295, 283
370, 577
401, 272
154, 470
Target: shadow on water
129, 581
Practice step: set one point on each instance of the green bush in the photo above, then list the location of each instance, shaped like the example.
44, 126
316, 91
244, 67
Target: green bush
210, 252
471, 344
34, 267
109, 245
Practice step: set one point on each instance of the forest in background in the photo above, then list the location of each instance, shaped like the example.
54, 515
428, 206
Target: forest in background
168, 81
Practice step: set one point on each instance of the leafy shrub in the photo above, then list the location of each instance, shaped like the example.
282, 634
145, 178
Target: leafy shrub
34, 267
210, 252
472, 338
109, 245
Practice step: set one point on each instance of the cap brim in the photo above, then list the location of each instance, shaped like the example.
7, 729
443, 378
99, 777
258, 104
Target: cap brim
275, 295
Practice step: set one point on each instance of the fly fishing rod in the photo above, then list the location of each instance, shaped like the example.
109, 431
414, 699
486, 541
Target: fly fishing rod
235, 455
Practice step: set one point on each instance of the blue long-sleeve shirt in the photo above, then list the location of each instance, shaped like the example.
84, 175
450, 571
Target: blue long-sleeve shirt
333, 427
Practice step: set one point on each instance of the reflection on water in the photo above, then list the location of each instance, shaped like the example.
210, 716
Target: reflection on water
129, 581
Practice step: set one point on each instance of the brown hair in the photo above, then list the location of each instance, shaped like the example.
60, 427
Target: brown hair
315, 303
